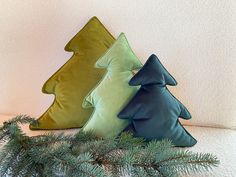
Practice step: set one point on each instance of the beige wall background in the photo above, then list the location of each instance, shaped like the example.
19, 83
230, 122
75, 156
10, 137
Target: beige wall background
195, 40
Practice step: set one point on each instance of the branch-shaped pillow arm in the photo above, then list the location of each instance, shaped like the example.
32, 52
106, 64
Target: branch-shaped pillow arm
128, 112
184, 138
184, 113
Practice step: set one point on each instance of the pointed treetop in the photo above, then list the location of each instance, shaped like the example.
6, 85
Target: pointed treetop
120, 56
153, 72
94, 30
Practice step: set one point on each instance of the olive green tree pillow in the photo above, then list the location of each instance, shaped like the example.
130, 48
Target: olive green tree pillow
113, 92
72, 82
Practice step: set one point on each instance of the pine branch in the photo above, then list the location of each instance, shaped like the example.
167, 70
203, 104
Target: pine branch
83, 154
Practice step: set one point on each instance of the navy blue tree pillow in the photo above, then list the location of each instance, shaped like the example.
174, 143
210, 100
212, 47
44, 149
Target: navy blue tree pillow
154, 112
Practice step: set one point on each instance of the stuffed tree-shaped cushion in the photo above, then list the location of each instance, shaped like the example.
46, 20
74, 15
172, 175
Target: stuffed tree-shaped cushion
154, 111
72, 82
113, 92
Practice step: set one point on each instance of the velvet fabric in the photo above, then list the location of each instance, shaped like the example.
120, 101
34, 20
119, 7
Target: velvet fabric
154, 111
72, 82
113, 92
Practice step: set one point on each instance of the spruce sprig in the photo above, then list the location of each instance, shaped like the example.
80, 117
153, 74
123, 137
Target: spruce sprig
85, 155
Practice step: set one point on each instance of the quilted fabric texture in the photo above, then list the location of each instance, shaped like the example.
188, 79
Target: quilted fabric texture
154, 111
113, 92
72, 82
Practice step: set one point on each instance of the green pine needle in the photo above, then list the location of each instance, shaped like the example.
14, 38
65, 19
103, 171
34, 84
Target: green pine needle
85, 155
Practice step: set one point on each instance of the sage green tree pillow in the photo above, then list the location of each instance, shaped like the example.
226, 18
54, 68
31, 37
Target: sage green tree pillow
72, 82
113, 92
